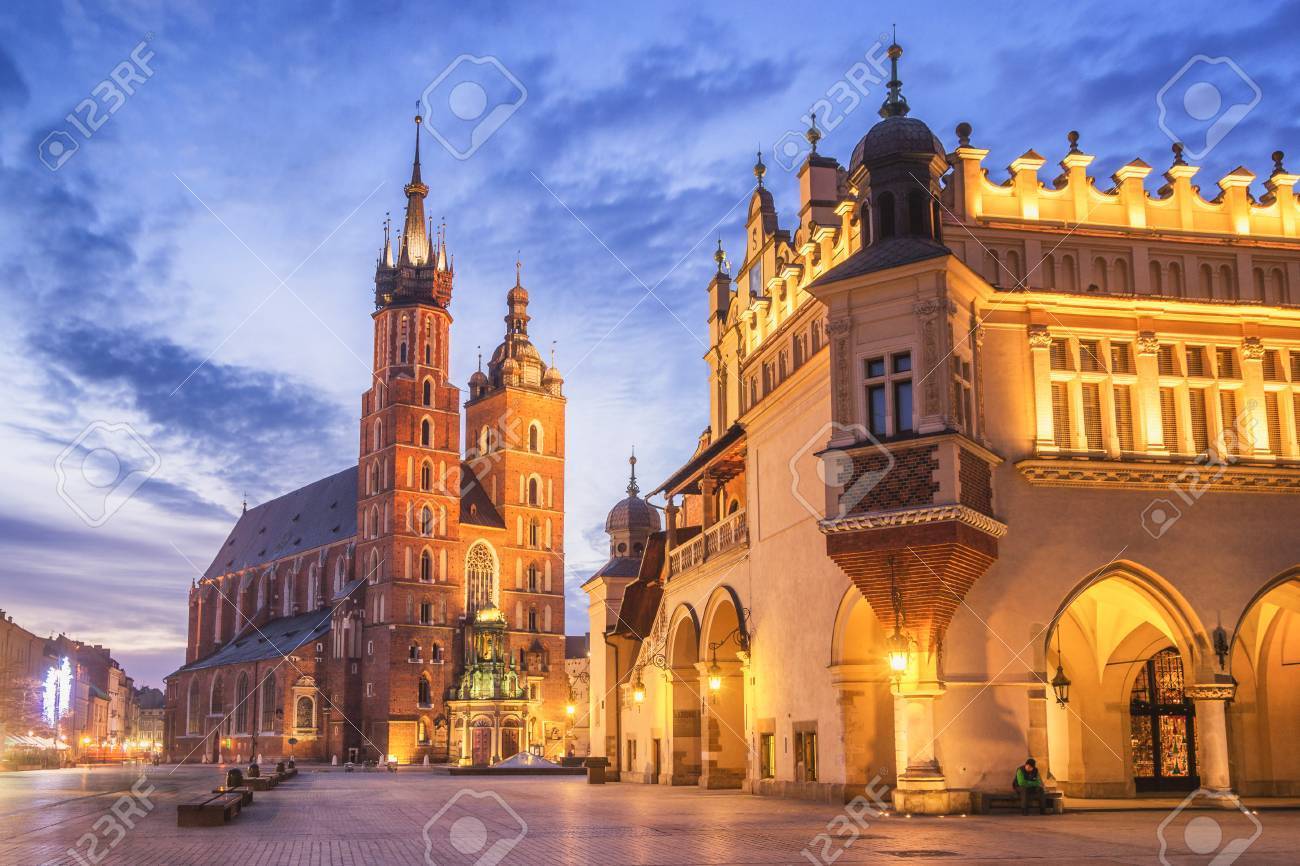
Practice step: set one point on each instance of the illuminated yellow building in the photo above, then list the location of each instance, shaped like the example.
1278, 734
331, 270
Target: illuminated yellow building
994, 469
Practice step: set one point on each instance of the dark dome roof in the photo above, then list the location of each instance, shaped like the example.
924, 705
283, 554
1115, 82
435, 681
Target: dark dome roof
632, 514
896, 135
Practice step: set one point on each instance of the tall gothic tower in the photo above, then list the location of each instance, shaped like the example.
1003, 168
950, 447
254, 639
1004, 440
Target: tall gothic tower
515, 421
408, 502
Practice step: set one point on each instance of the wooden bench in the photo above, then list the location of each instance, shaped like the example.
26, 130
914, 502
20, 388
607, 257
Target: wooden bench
262, 783
1053, 802
247, 794
214, 811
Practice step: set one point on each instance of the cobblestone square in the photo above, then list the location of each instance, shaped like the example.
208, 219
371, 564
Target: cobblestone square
326, 816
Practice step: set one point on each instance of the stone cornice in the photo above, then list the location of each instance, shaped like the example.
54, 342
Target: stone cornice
1134, 475
916, 517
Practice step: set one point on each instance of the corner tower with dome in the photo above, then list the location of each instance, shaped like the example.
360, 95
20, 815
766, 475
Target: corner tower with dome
418, 595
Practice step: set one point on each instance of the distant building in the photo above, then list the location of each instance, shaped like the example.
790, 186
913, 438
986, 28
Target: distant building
577, 667
412, 605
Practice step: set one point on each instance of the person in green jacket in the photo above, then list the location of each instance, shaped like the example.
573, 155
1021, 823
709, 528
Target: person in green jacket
1029, 785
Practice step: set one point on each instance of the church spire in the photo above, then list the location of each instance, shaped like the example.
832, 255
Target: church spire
632, 487
895, 105
415, 236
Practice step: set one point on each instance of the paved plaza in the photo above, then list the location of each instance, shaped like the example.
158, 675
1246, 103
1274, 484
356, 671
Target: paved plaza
330, 817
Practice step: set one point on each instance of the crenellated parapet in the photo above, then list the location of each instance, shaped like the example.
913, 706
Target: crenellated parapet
1075, 197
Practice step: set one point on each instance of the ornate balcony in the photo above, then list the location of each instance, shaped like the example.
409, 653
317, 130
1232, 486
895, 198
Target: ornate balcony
727, 534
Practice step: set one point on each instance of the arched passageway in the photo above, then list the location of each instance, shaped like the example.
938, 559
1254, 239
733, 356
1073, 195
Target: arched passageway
684, 697
725, 748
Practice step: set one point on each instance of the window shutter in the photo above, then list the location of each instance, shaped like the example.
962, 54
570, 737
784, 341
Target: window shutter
1196, 361
1092, 416
1169, 419
1295, 413
1227, 360
1272, 368
1274, 416
1165, 360
1090, 356
1200, 420
1121, 357
1060, 355
1228, 410
1061, 415
1124, 417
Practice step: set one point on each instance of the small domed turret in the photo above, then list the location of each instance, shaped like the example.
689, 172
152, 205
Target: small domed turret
631, 522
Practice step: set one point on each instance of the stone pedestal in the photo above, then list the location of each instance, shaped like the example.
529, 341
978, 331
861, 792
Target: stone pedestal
922, 788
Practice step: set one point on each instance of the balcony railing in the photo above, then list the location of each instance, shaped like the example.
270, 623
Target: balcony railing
725, 535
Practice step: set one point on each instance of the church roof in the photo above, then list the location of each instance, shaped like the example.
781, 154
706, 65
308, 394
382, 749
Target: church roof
274, 640
576, 646
318, 514
476, 506
889, 253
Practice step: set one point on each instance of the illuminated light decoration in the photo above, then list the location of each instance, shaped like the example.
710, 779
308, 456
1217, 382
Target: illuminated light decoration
1060, 682
900, 649
638, 691
570, 709
58, 692
715, 677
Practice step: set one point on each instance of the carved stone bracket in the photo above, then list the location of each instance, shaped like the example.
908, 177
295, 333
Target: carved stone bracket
1039, 337
1252, 349
1148, 343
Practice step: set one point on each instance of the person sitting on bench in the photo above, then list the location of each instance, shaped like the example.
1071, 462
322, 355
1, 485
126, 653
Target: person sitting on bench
1029, 785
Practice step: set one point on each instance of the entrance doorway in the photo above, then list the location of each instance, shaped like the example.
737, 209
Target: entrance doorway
658, 761
480, 746
509, 742
1163, 727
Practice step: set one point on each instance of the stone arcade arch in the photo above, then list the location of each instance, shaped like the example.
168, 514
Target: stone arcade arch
860, 673
684, 698
1108, 629
1265, 663
724, 654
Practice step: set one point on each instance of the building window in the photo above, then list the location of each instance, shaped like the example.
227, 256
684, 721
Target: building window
422, 732
426, 521
889, 394
1169, 419
424, 693
413, 652
241, 704
532, 491
1061, 415
1059, 356
532, 577
1121, 357
535, 438
805, 756
532, 619
480, 578
426, 475
426, 433
304, 713
426, 566
1092, 430
426, 613
1124, 417
767, 756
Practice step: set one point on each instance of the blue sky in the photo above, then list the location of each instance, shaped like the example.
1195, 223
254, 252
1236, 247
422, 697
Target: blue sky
201, 267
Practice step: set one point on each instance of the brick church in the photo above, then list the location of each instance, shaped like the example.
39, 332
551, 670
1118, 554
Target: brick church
410, 606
